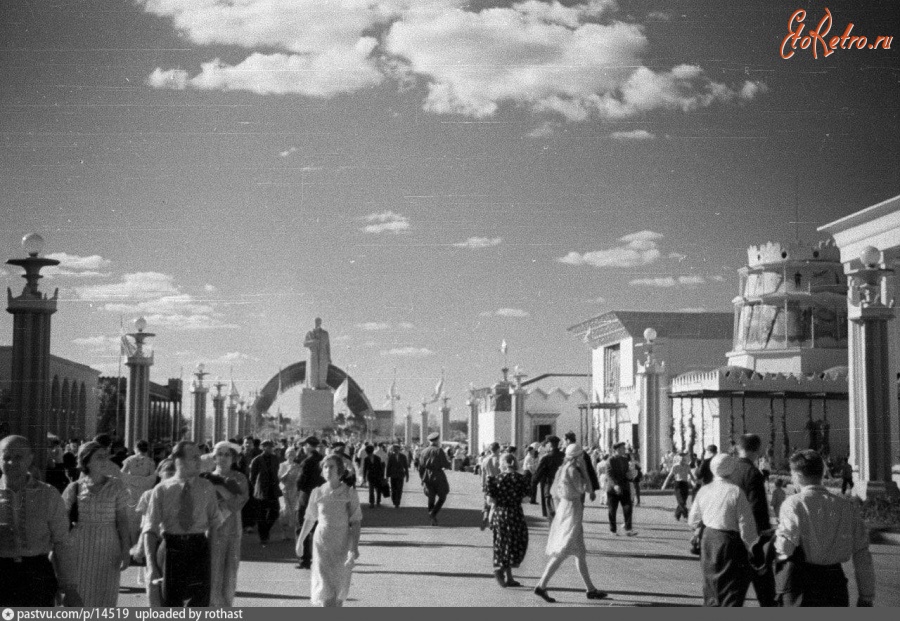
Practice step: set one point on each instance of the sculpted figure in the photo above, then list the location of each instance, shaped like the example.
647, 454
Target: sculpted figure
319, 356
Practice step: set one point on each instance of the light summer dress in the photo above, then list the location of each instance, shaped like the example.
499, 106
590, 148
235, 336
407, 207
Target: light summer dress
334, 509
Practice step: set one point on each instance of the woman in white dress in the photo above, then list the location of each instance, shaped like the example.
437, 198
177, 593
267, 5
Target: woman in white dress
232, 492
335, 506
288, 473
100, 538
566, 537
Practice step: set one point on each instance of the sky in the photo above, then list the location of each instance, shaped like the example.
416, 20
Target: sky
430, 178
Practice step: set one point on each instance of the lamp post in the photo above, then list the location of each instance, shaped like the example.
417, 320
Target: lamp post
472, 402
871, 381
423, 425
445, 418
200, 391
517, 411
231, 422
218, 430
137, 414
30, 364
409, 425
652, 422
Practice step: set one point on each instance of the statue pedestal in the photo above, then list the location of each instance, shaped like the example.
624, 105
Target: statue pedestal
316, 410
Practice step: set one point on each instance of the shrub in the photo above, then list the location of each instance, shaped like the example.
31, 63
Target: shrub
881, 512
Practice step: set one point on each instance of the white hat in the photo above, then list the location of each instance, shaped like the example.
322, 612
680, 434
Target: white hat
722, 465
573, 451
225, 443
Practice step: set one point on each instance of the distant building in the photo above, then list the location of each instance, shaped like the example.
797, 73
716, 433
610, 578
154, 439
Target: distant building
685, 341
74, 403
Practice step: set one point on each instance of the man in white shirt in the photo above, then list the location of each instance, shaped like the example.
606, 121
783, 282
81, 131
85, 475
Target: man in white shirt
827, 530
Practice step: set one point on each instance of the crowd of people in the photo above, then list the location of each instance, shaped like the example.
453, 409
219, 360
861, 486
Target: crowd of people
101, 511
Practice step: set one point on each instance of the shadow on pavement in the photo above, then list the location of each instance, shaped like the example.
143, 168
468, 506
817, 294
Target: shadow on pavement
404, 517
661, 557
420, 544
269, 595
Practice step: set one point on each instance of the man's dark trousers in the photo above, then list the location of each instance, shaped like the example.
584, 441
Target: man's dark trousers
267, 515
614, 500
396, 490
186, 570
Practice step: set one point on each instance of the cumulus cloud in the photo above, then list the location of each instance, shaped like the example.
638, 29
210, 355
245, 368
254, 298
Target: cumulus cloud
635, 134
638, 249
677, 256
208, 288
158, 299
506, 312
288, 152
74, 265
573, 62
98, 343
479, 242
659, 16
408, 352
373, 326
386, 222
232, 357
668, 281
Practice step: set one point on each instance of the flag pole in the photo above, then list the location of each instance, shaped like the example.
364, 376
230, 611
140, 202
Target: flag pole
119, 376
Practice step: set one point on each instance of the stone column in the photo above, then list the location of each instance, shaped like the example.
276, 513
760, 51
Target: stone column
654, 423
517, 413
137, 409
241, 419
445, 419
218, 430
30, 364
872, 384
474, 447
409, 423
231, 421
423, 422
199, 391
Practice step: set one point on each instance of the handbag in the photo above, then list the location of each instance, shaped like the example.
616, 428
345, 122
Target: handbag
385, 488
696, 539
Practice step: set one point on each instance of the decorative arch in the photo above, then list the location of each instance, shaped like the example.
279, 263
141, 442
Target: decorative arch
295, 375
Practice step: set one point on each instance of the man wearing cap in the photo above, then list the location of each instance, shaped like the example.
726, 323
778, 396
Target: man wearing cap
349, 476
820, 530
545, 473
310, 478
33, 522
619, 489
432, 463
264, 483
397, 472
181, 512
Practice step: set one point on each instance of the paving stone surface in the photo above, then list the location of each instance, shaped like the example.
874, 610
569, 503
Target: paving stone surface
406, 562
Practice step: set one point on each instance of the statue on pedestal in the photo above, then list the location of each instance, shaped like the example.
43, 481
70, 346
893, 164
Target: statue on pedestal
319, 356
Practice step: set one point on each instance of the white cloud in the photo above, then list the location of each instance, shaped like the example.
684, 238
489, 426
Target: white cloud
208, 288
372, 326
74, 265
155, 296
677, 256
288, 152
695, 309
232, 357
479, 242
718, 278
98, 343
667, 281
387, 221
547, 58
506, 312
574, 62
638, 249
635, 134
408, 352
691, 280
660, 16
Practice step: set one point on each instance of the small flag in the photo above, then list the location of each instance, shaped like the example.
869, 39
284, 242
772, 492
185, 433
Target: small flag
437, 390
503, 347
340, 395
127, 348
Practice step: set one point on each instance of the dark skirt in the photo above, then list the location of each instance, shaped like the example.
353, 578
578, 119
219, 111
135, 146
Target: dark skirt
510, 536
726, 568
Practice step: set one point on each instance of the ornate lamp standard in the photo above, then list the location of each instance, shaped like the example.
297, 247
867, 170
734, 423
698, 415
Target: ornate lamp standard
872, 380
137, 414
30, 368
200, 391
652, 426
218, 430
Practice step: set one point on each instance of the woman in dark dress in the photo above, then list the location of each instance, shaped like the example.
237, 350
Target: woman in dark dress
507, 519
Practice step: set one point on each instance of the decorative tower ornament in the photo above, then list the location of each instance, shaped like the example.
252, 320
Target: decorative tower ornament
137, 414
199, 391
218, 430
30, 364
